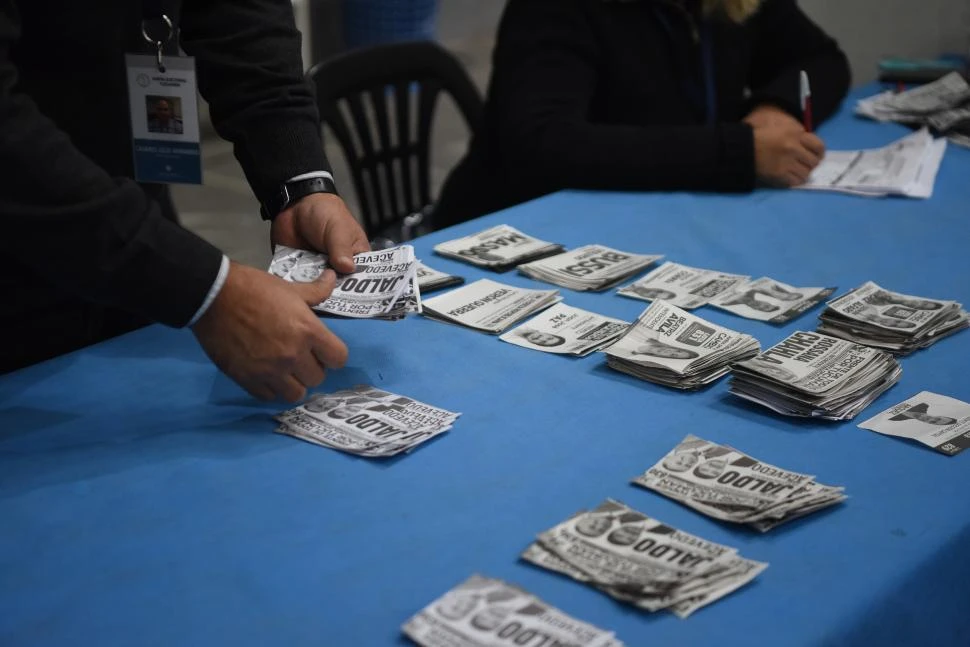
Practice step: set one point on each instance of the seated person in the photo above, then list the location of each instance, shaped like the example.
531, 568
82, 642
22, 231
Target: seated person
645, 95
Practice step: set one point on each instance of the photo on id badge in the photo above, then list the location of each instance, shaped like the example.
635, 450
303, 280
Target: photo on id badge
164, 115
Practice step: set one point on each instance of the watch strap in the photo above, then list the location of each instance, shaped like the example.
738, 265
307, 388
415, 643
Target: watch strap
290, 192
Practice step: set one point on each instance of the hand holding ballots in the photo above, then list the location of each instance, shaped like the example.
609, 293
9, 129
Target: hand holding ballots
482, 612
591, 267
815, 376
499, 248
566, 330
365, 421
726, 484
935, 420
641, 561
488, 306
384, 285
669, 346
899, 323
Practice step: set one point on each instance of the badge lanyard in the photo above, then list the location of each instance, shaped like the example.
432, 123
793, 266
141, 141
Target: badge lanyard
163, 106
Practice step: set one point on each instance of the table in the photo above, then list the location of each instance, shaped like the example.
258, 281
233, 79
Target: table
145, 500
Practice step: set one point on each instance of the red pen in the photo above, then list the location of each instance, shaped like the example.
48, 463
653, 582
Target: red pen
805, 97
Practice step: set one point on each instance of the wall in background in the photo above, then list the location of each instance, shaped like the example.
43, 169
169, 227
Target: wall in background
869, 30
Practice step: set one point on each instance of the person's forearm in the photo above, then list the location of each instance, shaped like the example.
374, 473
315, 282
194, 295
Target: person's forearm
829, 78
251, 73
576, 154
65, 219
788, 42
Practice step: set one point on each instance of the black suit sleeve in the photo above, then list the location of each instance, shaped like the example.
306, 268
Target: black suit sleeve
546, 68
251, 73
64, 218
787, 43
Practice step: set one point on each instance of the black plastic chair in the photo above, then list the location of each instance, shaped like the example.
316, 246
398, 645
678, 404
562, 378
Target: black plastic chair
380, 103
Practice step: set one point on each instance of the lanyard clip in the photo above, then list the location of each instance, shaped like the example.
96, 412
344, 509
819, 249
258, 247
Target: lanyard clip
158, 43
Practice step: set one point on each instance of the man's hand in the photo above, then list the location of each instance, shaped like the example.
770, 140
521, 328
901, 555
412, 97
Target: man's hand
261, 332
784, 153
321, 222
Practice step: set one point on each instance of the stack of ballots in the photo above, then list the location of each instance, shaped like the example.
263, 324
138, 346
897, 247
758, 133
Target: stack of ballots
943, 105
669, 346
489, 306
726, 484
383, 286
483, 612
641, 561
366, 421
591, 267
813, 375
564, 330
500, 248
682, 285
899, 323
430, 279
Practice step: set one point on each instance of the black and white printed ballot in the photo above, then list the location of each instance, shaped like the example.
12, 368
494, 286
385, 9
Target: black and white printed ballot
937, 421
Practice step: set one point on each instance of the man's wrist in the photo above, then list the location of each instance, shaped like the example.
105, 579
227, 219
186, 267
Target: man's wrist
296, 188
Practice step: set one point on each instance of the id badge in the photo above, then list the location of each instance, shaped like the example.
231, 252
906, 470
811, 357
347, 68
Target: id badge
164, 119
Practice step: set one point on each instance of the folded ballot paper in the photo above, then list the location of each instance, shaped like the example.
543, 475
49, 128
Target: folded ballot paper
488, 306
906, 167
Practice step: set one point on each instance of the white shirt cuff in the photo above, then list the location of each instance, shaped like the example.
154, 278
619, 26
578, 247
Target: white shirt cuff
213, 291
313, 174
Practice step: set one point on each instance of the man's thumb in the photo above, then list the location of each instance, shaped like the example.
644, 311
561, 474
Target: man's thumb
318, 291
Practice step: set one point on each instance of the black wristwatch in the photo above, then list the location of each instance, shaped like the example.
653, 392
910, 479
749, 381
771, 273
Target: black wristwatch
293, 191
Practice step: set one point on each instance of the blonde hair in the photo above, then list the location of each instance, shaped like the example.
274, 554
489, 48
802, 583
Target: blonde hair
734, 10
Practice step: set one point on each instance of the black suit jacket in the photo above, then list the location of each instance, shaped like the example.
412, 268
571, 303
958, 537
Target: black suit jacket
74, 228
590, 94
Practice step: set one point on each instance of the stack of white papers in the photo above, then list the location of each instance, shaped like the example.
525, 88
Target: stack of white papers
591, 267
681, 285
907, 167
489, 306
499, 248
564, 330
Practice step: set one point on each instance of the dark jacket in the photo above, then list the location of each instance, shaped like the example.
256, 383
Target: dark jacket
590, 94
74, 229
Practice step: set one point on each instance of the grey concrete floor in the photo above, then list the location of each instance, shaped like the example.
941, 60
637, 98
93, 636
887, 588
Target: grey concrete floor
224, 211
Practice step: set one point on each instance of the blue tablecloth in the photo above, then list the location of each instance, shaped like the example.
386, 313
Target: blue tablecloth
144, 499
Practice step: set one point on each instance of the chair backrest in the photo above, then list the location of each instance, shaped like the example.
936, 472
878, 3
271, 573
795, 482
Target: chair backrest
379, 102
